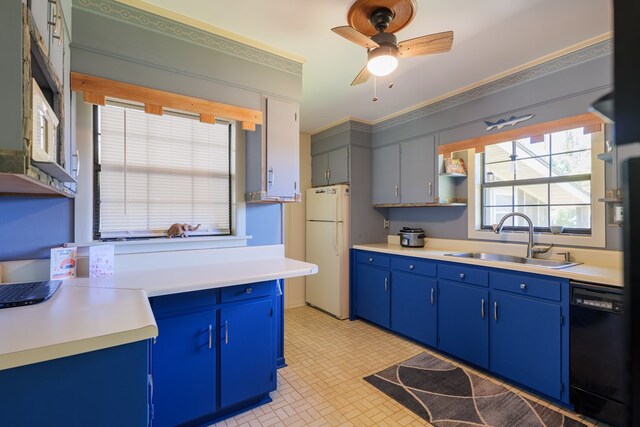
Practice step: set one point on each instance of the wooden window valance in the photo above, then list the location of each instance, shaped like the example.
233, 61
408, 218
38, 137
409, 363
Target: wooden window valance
96, 90
589, 122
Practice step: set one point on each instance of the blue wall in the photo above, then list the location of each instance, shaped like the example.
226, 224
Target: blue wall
264, 224
30, 226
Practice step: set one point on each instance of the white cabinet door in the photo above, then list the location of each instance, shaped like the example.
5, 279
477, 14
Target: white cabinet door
283, 148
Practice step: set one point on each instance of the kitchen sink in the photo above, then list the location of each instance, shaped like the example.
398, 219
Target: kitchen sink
548, 263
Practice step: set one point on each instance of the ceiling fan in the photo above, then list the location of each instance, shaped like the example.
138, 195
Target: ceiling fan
372, 24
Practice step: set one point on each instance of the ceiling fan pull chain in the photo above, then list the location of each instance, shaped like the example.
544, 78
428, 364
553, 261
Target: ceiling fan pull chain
375, 86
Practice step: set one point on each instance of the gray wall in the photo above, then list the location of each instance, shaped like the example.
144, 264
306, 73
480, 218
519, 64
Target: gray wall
564, 92
114, 41
366, 223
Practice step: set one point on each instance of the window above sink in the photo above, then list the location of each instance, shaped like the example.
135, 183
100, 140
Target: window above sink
552, 176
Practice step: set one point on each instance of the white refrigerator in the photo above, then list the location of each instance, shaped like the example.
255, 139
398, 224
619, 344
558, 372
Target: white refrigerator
327, 246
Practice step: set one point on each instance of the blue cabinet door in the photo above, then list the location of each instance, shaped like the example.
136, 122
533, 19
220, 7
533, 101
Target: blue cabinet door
183, 366
526, 342
247, 356
413, 307
463, 322
372, 294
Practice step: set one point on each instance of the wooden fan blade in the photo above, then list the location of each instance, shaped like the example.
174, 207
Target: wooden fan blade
362, 77
433, 43
354, 36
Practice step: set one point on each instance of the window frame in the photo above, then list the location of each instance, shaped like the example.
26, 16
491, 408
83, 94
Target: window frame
97, 169
597, 238
533, 181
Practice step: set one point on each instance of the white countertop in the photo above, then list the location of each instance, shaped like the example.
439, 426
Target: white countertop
92, 314
164, 281
75, 320
591, 273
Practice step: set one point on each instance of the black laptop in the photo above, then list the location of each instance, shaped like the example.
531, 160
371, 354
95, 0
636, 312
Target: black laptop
18, 294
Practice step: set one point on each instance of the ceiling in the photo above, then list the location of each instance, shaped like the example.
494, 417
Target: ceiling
491, 37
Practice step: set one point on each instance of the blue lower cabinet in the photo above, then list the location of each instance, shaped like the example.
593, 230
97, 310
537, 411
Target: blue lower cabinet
414, 307
108, 387
215, 354
526, 342
463, 322
372, 294
183, 368
247, 363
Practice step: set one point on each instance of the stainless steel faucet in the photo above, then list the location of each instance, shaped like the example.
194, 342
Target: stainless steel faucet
532, 248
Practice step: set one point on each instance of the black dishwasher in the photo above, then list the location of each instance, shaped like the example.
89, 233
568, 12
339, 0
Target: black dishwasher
597, 352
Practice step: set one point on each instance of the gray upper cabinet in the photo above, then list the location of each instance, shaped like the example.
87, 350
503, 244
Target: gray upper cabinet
386, 175
330, 168
273, 154
405, 173
319, 168
338, 166
417, 170
41, 11
31, 24
49, 21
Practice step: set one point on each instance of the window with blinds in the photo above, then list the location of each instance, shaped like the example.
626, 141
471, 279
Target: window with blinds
153, 171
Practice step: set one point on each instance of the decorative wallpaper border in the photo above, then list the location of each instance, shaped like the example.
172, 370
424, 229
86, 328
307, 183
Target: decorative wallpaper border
580, 56
149, 21
342, 127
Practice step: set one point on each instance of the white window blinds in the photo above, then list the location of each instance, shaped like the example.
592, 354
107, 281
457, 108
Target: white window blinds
158, 170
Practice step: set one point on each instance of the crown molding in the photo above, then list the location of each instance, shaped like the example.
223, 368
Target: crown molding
586, 51
122, 12
347, 124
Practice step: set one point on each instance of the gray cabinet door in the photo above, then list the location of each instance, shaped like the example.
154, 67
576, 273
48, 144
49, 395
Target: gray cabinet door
417, 170
40, 11
56, 43
386, 175
319, 168
283, 148
339, 166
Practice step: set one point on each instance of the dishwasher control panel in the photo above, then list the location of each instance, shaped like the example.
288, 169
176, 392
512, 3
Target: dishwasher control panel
607, 301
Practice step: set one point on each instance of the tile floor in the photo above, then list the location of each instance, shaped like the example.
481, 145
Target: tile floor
322, 384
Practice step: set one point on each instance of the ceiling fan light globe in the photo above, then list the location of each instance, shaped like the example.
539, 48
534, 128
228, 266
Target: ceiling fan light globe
382, 61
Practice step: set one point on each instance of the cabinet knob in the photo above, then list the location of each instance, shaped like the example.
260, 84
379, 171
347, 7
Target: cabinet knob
248, 290
411, 266
523, 286
370, 259
462, 276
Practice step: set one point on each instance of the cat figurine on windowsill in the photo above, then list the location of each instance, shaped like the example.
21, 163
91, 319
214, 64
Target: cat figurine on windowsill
180, 230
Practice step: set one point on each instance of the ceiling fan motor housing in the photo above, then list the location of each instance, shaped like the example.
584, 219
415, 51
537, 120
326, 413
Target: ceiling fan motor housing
381, 18
388, 45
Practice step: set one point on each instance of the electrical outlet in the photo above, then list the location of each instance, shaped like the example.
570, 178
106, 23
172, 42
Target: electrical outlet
618, 214
386, 223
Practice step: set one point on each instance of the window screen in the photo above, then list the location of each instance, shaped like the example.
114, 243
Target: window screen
153, 171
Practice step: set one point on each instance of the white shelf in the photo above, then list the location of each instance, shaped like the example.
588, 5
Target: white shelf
454, 175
